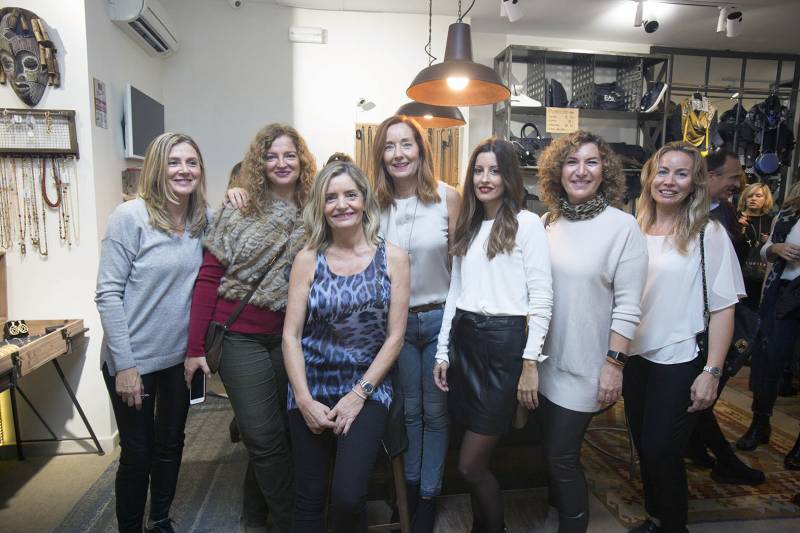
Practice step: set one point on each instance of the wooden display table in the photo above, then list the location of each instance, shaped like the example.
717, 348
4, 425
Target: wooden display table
46, 348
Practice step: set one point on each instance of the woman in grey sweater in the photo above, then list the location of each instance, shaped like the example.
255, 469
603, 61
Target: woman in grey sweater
149, 259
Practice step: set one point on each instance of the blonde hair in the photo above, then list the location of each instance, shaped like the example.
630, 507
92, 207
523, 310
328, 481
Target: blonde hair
503, 235
155, 190
693, 212
750, 190
318, 233
253, 178
383, 182
551, 164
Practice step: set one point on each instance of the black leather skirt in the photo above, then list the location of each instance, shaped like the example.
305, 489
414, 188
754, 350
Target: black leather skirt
485, 365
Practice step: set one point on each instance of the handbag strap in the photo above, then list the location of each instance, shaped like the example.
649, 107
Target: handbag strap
706, 313
246, 299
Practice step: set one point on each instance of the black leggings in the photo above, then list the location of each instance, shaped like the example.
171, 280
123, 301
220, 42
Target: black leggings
151, 442
656, 400
355, 455
563, 431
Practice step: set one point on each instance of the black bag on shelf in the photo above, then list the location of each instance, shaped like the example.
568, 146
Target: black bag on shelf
609, 97
528, 146
556, 95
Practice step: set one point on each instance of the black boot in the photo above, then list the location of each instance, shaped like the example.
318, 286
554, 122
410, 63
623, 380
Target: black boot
758, 433
424, 517
412, 495
699, 456
792, 459
787, 387
731, 469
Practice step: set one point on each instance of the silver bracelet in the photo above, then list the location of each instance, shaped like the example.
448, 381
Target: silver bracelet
359, 394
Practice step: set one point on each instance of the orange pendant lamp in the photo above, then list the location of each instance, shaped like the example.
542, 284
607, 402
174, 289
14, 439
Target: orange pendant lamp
458, 81
432, 116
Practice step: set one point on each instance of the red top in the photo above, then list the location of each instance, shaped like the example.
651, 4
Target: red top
207, 306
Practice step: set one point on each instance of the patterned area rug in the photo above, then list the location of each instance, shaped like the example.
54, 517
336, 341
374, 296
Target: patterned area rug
208, 497
611, 481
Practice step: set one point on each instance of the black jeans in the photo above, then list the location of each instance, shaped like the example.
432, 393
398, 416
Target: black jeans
355, 455
707, 433
563, 431
151, 442
656, 400
767, 366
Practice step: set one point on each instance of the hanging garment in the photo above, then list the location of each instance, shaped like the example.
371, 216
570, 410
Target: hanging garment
696, 125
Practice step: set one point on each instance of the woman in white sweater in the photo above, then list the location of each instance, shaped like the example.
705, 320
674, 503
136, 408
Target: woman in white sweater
599, 265
671, 380
499, 284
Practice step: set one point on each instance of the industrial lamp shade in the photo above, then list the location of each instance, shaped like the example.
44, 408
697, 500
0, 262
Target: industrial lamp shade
458, 81
432, 116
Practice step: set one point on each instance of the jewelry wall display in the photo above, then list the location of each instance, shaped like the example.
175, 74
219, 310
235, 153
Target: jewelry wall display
35, 132
30, 63
33, 190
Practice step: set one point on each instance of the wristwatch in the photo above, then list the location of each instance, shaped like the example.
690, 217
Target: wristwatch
713, 370
366, 386
619, 357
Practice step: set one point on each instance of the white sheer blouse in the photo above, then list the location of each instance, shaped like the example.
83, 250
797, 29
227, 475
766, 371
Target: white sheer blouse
672, 302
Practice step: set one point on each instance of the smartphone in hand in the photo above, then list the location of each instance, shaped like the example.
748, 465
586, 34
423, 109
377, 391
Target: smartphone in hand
197, 392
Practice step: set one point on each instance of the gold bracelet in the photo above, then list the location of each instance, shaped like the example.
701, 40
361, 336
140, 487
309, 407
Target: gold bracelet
359, 394
615, 362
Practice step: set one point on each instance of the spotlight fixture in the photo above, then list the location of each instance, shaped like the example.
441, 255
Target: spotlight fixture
432, 116
364, 104
637, 21
511, 10
650, 26
733, 24
722, 19
458, 81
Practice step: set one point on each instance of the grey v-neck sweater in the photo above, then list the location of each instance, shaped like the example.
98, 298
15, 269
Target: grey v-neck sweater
144, 291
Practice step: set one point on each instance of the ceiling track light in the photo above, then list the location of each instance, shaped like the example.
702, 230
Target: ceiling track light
511, 9
733, 24
637, 21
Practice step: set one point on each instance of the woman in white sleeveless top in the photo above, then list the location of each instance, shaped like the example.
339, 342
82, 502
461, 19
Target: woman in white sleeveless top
418, 214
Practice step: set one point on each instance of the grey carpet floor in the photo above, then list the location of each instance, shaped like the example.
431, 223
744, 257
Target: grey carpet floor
209, 494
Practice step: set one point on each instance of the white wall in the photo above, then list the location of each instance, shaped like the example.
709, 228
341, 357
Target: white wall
371, 55
231, 77
62, 285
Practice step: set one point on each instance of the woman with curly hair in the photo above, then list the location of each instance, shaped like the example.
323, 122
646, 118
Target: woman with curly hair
670, 380
418, 213
599, 264
495, 319
276, 173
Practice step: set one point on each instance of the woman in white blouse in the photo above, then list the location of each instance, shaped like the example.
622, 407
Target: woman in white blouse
501, 275
669, 381
599, 264
418, 214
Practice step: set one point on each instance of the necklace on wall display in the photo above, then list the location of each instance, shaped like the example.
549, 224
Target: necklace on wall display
22, 227
6, 226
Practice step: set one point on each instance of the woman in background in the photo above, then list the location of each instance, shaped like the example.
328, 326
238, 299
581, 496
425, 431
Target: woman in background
755, 206
495, 319
149, 259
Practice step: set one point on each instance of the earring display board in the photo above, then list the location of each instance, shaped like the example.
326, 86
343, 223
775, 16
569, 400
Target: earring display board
445, 148
35, 132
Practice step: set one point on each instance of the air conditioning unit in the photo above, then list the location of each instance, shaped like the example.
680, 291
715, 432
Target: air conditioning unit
147, 23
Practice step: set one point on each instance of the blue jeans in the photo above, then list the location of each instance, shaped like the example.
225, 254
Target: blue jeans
426, 418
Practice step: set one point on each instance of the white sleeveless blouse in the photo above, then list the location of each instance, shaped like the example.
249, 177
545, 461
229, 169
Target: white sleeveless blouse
421, 230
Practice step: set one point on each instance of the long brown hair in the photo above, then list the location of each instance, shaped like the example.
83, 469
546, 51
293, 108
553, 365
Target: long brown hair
552, 160
156, 192
253, 178
470, 216
382, 181
693, 213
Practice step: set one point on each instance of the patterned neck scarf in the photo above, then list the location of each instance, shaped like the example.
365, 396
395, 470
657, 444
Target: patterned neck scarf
583, 211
